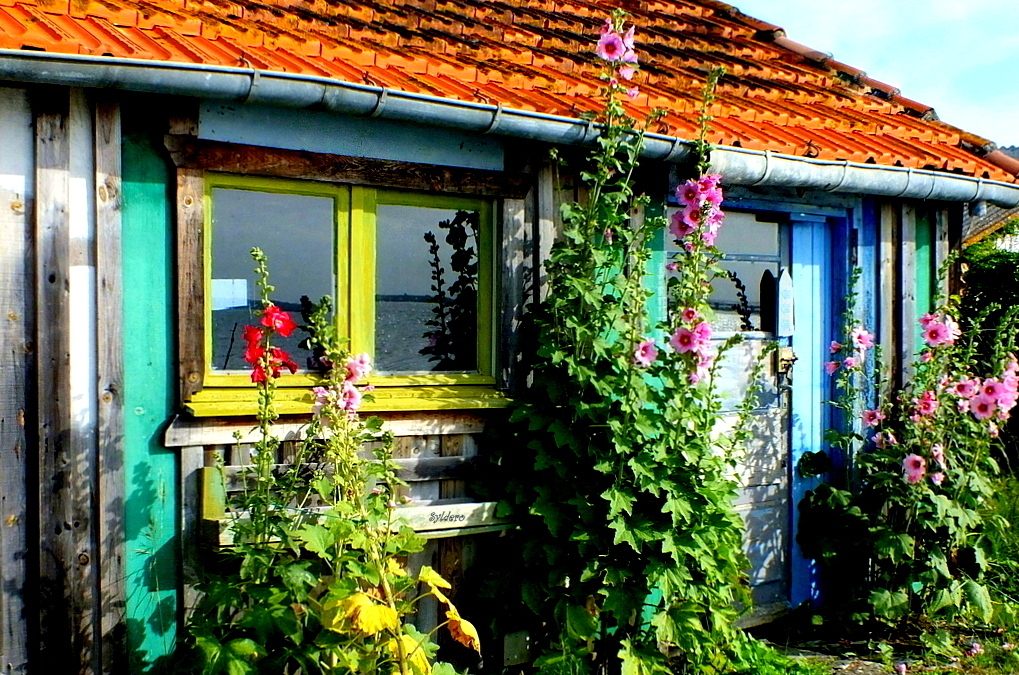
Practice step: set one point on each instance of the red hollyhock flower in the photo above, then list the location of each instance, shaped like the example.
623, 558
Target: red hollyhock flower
275, 318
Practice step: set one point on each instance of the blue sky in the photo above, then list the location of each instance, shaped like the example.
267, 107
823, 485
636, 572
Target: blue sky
960, 56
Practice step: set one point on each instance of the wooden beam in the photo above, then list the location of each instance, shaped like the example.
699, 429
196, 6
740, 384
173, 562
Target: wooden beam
887, 296
17, 333
548, 217
206, 155
907, 290
67, 574
184, 431
110, 371
942, 247
190, 280
513, 272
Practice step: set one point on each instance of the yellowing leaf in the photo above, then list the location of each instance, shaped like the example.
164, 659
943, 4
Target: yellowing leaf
432, 578
412, 653
463, 631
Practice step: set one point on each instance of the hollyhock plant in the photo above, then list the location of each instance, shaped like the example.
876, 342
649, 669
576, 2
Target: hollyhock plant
914, 466
831, 366
861, 338
279, 321
645, 353
872, 418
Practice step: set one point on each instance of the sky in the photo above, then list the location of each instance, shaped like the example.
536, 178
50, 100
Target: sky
959, 56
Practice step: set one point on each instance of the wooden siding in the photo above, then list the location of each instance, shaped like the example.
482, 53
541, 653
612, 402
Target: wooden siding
17, 331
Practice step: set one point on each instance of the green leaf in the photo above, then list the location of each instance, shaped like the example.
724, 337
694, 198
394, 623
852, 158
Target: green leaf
979, 598
317, 539
580, 623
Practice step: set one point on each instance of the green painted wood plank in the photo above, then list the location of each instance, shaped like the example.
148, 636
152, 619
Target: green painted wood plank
150, 470
925, 269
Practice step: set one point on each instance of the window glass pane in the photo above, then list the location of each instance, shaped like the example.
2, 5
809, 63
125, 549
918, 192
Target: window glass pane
426, 285
746, 299
296, 232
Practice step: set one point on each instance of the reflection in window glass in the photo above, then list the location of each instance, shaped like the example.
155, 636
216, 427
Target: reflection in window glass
745, 300
426, 285
296, 232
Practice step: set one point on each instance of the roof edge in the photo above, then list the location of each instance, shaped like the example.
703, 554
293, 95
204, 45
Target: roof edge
255, 87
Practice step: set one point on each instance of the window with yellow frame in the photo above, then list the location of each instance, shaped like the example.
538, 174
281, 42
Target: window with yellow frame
411, 275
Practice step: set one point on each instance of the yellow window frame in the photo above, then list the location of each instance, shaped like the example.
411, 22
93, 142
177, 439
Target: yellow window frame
356, 264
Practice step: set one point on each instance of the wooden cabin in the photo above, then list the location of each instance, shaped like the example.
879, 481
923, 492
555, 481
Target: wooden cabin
144, 147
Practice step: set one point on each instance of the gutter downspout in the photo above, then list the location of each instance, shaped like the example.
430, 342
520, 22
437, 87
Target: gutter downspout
255, 87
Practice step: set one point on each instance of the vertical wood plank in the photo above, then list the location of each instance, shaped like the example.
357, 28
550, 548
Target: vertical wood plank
513, 269
17, 327
110, 381
942, 247
66, 466
547, 211
907, 290
888, 223
192, 459
191, 280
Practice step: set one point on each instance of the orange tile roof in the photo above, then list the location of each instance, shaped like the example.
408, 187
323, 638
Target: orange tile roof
532, 55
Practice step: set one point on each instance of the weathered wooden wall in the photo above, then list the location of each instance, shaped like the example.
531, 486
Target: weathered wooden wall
62, 590
17, 372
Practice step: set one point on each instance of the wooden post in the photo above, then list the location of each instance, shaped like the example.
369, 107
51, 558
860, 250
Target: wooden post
191, 275
548, 215
67, 565
513, 262
110, 382
17, 328
888, 283
907, 291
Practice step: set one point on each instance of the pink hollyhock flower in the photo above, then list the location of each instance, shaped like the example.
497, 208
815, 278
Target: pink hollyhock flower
350, 397
883, 439
606, 27
689, 194
275, 318
683, 340
610, 46
937, 334
630, 56
321, 399
609, 235
927, 319
900, 669
1012, 367
628, 37
1007, 400
914, 466
645, 353
965, 388
690, 315
682, 224
993, 430
850, 362
715, 220
872, 418
709, 237
358, 367
861, 338
627, 72
831, 367
975, 649
926, 357
982, 406
937, 478
954, 332
632, 93
835, 347
927, 404
709, 181
702, 332
671, 267
992, 388
938, 453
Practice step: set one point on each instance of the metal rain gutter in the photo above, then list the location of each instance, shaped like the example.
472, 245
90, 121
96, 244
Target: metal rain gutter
255, 87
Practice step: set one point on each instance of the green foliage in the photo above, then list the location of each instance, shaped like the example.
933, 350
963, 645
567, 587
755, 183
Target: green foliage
920, 482
316, 589
619, 469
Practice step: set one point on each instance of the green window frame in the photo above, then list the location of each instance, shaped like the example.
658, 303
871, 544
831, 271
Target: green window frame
356, 266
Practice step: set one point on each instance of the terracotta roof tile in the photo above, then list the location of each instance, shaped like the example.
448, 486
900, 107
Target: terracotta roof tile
531, 54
